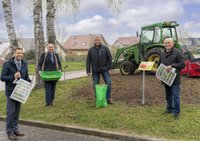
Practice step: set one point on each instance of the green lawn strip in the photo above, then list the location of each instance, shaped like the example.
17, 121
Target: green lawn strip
146, 120
71, 66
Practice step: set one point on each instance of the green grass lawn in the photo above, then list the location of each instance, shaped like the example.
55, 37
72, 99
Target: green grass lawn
71, 66
146, 120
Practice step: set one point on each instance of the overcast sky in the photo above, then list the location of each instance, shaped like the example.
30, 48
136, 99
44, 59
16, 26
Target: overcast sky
94, 17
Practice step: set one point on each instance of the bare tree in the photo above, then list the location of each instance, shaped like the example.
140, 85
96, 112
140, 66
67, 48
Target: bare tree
69, 7
114, 5
39, 35
7, 8
183, 36
61, 33
50, 18
53, 7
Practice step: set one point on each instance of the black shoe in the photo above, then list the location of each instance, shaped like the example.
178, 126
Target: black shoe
48, 106
166, 112
11, 136
18, 133
109, 101
52, 105
176, 116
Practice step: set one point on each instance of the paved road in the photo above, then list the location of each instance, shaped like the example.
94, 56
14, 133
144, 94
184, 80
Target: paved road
68, 75
41, 134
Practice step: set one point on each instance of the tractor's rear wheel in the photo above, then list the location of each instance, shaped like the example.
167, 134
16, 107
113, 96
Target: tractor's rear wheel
127, 67
153, 55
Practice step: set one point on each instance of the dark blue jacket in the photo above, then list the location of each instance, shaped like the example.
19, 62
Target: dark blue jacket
100, 58
7, 74
48, 65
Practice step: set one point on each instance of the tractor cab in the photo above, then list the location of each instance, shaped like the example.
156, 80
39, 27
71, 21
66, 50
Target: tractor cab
151, 40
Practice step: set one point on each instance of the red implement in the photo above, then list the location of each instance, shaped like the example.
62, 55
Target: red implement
192, 67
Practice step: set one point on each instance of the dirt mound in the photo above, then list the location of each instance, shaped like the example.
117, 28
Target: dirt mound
128, 89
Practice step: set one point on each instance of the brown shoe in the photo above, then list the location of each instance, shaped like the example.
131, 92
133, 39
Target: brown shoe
12, 137
18, 133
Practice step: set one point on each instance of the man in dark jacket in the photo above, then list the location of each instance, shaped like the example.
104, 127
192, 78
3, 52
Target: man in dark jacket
12, 70
173, 58
49, 62
100, 58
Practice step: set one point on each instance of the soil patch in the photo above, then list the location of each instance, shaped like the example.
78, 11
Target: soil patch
128, 89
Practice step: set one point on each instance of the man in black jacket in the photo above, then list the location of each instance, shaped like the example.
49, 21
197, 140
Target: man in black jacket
49, 61
12, 70
100, 58
173, 58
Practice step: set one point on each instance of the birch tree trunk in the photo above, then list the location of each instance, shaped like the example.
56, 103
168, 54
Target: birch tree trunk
39, 35
7, 9
50, 18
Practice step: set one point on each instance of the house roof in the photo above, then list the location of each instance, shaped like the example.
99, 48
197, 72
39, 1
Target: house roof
81, 42
26, 43
4, 47
125, 41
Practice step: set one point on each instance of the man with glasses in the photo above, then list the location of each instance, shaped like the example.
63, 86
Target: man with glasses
49, 61
172, 58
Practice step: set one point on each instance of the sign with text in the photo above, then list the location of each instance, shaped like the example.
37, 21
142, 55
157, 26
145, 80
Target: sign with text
166, 76
146, 66
22, 91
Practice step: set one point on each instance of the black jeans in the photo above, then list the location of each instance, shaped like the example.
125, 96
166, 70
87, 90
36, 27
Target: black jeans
50, 88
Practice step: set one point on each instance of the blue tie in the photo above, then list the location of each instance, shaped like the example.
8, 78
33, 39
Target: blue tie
18, 66
52, 59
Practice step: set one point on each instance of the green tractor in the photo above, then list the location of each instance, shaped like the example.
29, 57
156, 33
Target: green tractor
149, 47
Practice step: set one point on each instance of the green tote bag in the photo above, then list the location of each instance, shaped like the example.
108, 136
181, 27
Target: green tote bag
101, 95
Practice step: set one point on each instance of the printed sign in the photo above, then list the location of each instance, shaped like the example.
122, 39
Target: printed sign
147, 66
22, 90
166, 76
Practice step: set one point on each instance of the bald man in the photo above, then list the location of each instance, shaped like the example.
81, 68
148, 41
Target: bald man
172, 58
49, 61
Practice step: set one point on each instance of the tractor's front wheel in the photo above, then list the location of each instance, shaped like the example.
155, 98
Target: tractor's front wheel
127, 67
153, 55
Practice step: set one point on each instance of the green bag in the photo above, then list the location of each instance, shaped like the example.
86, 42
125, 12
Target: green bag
50, 75
101, 95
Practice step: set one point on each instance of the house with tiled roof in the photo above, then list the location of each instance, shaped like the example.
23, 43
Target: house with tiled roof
125, 41
26, 43
1, 61
80, 44
4, 49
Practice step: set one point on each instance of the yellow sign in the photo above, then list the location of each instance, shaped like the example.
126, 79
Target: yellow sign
147, 66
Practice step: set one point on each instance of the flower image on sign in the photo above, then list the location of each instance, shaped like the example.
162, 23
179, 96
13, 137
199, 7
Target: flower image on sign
22, 91
166, 76
147, 66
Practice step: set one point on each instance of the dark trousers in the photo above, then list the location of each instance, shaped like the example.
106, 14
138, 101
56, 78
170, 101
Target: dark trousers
12, 118
173, 98
50, 88
106, 78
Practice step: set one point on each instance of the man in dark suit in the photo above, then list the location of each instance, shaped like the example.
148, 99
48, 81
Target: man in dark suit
12, 70
49, 61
